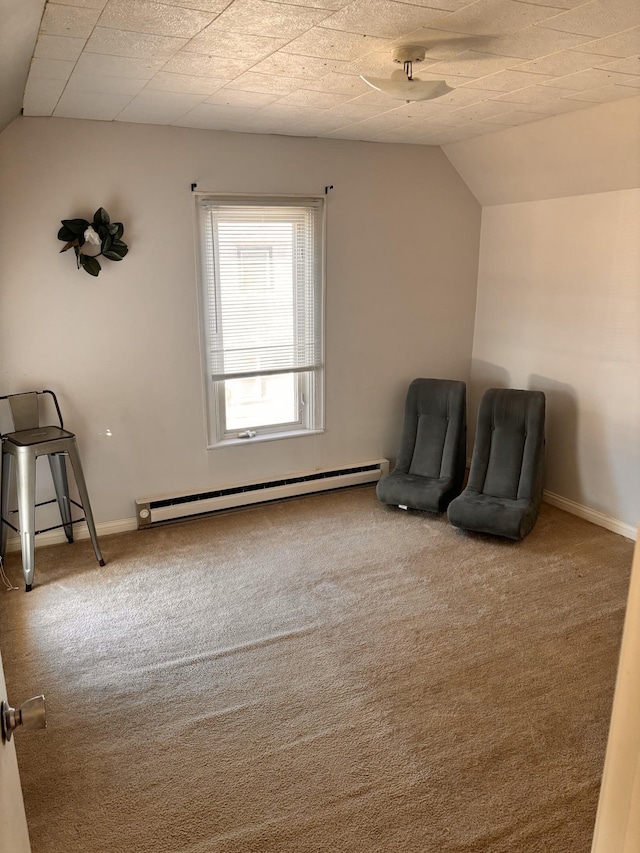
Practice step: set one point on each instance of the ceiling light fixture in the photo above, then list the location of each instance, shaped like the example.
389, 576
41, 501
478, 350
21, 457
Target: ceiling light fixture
402, 84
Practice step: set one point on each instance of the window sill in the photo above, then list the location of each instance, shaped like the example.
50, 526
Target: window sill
274, 436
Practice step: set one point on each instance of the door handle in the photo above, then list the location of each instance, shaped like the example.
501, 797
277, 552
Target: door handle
30, 715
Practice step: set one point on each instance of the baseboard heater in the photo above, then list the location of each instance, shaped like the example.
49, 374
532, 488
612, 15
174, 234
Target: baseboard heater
151, 511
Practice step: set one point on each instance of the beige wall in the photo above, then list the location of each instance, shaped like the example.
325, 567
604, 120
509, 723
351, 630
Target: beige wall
123, 349
558, 304
559, 310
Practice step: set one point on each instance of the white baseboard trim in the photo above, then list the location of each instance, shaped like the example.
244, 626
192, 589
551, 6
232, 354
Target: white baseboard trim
592, 515
80, 531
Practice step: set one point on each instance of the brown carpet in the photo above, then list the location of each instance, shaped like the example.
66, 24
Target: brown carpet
324, 674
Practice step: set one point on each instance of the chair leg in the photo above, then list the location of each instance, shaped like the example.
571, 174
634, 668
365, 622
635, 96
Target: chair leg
26, 464
58, 466
74, 456
7, 461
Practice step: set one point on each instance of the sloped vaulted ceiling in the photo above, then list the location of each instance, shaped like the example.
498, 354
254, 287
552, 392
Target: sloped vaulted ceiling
590, 151
18, 33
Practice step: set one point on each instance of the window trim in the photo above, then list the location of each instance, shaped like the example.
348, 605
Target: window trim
228, 434
311, 419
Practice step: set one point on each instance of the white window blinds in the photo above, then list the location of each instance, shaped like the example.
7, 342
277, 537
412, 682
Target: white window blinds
262, 266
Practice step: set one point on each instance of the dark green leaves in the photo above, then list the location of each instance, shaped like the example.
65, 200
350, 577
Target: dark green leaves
100, 217
66, 234
105, 238
73, 229
110, 234
76, 226
117, 251
89, 264
116, 230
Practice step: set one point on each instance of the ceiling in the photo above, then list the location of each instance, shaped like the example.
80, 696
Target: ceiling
293, 68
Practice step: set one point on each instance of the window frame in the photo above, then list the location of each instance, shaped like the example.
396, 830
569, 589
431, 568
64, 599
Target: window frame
309, 384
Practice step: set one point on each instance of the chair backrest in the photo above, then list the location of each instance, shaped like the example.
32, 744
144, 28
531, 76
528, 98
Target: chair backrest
25, 410
509, 444
434, 435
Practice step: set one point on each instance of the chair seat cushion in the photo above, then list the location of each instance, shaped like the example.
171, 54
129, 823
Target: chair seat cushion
481, 513
429, 494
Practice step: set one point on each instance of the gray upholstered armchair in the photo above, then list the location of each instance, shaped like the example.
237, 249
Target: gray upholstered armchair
430, 467
504, 491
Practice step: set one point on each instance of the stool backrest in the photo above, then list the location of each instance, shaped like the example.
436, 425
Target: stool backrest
24, 409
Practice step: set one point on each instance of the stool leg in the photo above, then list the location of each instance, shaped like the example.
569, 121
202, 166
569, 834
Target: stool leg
74, 456
7, 460
58, 467
26, 464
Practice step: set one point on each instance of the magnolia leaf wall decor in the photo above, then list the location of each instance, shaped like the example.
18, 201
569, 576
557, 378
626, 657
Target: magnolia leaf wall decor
102, 233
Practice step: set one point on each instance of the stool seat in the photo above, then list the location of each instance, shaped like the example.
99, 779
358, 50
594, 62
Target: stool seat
22, 447
41, 435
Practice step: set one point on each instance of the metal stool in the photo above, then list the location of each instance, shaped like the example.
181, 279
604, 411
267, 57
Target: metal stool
29, 441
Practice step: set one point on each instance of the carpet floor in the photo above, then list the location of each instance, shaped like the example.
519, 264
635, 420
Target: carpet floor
322, 674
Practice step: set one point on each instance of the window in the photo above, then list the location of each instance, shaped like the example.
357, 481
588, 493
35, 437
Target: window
262, 286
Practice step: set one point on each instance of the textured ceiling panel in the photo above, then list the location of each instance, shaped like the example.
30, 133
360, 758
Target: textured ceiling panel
144, 16
259, 66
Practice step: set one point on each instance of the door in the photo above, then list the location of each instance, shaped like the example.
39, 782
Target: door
618, 821
13, 823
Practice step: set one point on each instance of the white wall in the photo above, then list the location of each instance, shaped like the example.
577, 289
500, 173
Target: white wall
558, 304
123, 350
559, 310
